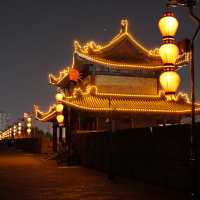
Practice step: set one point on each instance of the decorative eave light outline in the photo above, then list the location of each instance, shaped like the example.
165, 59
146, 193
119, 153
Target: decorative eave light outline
62, 75
44, 116
83, 51
161, 111
93, 91
184, 58
122, 34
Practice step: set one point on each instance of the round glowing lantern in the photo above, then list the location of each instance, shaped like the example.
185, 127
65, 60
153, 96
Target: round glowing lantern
59, 96
29, 125
168, 25
28, 130
73, 74
60, 119
29, 119
59, 108
168, 53
170, 82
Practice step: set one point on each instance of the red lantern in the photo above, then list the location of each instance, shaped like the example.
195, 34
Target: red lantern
73, 74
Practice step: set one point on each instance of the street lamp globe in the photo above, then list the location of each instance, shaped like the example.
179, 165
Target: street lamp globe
170, 81
29, 119
168, 24
29, 125
28, 130
59, 108
59, 96
60, 118
168, 53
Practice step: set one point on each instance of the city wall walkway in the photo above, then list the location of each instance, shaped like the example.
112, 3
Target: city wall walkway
32, 177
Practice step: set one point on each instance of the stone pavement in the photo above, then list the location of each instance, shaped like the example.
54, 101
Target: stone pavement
32, 177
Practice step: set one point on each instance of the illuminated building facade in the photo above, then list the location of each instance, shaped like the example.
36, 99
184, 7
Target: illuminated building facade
4, 120
117, 87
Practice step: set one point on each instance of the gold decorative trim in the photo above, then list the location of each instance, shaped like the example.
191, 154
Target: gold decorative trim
44, 116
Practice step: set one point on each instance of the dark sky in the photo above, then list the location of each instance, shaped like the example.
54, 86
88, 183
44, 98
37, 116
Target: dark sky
36, 37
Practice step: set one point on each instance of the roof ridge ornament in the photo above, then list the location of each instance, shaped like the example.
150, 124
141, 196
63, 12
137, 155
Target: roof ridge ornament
124, 25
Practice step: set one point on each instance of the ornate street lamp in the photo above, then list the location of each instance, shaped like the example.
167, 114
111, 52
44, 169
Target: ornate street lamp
14, 129
169, 79
19, 128
59, 108
28, 124
193, 137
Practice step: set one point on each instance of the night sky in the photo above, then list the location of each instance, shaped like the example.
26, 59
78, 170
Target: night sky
36, 37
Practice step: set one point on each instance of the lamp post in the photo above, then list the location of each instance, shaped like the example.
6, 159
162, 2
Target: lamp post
29, 125
169, 79
59, 108
193, 137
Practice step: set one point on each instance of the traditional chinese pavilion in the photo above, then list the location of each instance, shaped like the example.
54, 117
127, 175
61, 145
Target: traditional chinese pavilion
118, 81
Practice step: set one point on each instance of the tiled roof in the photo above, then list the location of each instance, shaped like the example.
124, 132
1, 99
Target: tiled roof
91, 100
134, 104
124, 52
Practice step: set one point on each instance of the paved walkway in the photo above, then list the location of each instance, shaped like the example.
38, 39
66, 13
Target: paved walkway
31, 177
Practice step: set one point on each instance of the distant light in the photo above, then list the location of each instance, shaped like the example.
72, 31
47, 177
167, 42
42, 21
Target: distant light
29, 119
28, 130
